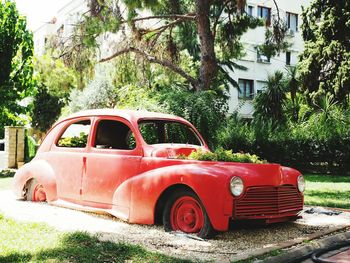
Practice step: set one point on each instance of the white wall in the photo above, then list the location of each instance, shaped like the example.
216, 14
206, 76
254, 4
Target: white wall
41, 35
62, 24
69, 15
258, 71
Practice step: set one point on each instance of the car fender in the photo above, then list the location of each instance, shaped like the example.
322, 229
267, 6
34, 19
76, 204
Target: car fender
290, 174
40, 170
211, 184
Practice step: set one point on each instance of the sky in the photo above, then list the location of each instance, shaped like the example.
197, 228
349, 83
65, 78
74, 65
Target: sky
39, 12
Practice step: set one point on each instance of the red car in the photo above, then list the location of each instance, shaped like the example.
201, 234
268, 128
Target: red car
125, 163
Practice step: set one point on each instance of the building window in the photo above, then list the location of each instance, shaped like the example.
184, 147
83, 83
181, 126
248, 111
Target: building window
292, 21
262, 58
265, 13
250, 10
246, 89
288, 58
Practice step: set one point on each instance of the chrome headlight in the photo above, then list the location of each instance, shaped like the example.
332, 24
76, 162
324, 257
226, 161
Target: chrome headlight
236, 186
301, 183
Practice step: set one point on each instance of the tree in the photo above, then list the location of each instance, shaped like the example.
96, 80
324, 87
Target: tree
99, 93
209, 30
58, 78
268, 105
16, 67
325, 61
292, 84
46, 109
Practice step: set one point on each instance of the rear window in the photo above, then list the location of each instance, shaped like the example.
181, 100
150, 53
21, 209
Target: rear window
163, 131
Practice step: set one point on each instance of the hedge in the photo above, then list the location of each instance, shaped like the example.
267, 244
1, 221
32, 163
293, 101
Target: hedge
330, 155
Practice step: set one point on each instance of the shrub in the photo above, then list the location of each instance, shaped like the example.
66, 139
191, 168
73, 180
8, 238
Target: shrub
320, 144
99, 93
31, 148
269, 104
46, 109
7, 173
237, 135
205, 110
75, 141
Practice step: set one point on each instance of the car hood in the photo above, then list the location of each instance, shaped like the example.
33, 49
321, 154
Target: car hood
259, 174
252, 174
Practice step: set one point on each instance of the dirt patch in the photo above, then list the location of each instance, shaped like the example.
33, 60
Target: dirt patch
241, 239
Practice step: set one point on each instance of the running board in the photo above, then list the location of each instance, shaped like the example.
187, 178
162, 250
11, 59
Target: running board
65, 204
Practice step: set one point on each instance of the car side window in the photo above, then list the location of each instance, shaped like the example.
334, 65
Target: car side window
111, 134
76, 135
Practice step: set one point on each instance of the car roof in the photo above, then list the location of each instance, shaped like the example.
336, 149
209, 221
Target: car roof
130, 115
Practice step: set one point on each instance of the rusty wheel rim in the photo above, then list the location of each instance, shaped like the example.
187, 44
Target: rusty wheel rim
187, 215
39, 194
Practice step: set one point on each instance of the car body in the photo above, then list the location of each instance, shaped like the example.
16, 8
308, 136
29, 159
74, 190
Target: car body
125, 163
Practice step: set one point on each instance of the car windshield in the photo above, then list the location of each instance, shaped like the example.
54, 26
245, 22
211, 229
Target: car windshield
165, 131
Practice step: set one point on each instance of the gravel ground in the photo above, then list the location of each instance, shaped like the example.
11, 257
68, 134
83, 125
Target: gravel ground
241, 239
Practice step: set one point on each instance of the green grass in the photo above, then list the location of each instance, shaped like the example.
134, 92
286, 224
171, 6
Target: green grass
31, 242
327, 190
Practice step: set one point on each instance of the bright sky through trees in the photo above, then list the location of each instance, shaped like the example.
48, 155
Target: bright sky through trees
39, 11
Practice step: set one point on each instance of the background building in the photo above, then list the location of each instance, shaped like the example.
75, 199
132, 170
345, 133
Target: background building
252, 80
61, 26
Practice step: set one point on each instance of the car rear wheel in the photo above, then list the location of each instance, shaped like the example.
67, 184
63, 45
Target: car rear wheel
185, 212
36, 192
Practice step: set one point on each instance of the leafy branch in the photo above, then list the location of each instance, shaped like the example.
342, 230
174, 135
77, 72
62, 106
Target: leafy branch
153, 59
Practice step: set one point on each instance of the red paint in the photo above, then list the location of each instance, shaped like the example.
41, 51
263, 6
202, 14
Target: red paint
129, 182
39, 194
186, 215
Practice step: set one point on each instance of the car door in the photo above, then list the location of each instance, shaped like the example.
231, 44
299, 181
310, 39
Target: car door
67, 158
114, 156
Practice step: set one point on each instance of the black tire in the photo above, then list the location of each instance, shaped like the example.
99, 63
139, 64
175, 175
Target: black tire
207, 231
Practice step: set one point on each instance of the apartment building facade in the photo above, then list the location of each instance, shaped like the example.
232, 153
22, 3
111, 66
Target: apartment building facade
253, 80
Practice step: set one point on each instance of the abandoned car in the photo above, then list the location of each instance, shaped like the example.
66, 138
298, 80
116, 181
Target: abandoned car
126, 163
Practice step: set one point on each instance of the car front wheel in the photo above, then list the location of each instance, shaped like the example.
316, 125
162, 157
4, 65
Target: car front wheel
35, 192
185, 212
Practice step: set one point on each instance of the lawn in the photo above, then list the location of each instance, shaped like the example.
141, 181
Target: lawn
327, 190
31, 242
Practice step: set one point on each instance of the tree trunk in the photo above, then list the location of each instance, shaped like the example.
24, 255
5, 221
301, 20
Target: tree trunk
209, 67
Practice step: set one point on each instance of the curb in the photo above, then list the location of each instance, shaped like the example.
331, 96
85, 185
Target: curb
297, 254
329, 208
286, 257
